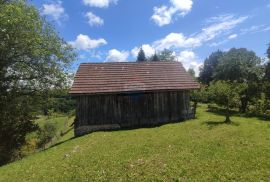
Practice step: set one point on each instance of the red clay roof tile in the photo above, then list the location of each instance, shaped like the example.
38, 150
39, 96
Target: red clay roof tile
97, 78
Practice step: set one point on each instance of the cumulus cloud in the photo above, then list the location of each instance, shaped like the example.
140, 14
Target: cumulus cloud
94, 20
99, 3
218, 27
115, 55
148, 50
163, 15
83, 42
54, 10
189, 60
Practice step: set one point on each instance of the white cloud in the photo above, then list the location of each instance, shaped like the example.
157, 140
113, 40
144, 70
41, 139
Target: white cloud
148, 50
255, 29
189, 60
184, 6
233, 36
115, 55
218, 27
163, 15
54, 10
94, 20
83, 42
99, 3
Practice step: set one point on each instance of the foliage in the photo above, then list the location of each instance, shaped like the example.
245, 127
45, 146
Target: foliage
268, 52
238, 65
141, 56
202, 149
241, 66
46, 134
166, 55
209, 67
191, 72
33, 60
267, 71
200, 95
56, 101
226, 94
154, 57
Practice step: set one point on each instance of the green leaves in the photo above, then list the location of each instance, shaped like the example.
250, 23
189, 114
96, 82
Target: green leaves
33, 59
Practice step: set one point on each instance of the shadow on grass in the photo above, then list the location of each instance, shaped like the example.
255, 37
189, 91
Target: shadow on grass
213, 124
221, 111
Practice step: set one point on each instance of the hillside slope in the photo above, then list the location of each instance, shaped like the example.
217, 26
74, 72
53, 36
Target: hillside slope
197, 150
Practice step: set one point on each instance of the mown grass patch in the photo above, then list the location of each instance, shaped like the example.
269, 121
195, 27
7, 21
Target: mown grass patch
203, 149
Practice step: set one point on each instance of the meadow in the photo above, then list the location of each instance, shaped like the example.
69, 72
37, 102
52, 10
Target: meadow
202, 149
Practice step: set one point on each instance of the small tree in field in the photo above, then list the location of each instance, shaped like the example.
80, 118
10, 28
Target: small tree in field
226, 94
199, 95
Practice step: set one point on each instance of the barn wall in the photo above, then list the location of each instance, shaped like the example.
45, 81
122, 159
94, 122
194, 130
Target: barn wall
103, 112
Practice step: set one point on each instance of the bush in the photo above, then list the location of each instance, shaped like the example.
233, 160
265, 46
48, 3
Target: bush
46, 134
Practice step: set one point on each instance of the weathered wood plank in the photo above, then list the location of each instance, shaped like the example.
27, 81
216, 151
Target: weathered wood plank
131, 110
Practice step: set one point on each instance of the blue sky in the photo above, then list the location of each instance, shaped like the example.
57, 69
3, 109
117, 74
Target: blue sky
113, 30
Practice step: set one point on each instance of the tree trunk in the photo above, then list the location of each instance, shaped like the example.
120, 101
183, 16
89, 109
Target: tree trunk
195, 108
228, 120
244, 104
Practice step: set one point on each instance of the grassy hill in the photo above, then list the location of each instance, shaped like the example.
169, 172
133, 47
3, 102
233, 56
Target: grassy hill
202, 149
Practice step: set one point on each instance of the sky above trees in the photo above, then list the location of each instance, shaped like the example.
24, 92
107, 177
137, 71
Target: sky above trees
114, 30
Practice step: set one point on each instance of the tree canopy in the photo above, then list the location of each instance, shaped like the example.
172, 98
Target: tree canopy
238, 65
166, 55
227, 94
209, 67
141, 56
155, 57
33, 59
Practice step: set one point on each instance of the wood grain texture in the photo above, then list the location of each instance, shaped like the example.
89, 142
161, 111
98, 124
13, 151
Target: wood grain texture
130, 110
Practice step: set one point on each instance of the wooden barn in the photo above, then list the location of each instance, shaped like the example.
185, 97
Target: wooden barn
130, 95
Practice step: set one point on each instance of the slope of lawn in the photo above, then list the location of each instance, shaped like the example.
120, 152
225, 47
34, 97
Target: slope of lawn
62, 124
202, 149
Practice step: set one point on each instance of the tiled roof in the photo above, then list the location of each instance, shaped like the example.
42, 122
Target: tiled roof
118, 77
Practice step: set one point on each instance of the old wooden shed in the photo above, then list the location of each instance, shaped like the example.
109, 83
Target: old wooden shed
130, 95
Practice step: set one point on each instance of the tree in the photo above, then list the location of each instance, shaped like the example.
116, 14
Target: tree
33, 60
141, 56
267, 71
166, 55
199, 95
241, 66
267, 67
226, 94
46, 134
155, 57
209, 66
191, 72
268, 52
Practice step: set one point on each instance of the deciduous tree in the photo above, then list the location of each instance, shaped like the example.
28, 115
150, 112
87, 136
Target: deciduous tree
33, 59
226, 94
241, 66
209, 66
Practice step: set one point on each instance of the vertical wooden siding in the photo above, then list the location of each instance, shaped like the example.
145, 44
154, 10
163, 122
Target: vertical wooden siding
132, 110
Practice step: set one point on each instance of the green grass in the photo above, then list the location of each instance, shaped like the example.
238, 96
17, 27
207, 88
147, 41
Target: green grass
202, 149
62, 124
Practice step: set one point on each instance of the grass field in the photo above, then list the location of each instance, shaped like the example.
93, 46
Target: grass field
202, 149
62, 124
